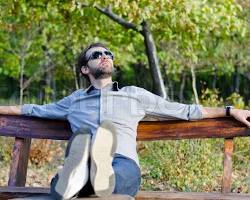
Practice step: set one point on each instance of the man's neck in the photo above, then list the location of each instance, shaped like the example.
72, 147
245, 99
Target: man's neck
100, 83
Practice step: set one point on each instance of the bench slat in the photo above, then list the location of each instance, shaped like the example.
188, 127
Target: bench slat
206, 128
24, 190
43, 194
31, 127
14, 192
157, 195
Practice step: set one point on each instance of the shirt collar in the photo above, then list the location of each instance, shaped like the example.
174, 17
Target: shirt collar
114, 87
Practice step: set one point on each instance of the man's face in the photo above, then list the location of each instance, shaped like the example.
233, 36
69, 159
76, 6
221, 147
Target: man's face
99, 66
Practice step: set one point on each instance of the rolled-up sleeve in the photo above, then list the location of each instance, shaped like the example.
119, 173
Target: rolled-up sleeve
157, 106
57, 110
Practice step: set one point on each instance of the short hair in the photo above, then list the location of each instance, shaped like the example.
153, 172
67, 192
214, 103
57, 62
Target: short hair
83, 60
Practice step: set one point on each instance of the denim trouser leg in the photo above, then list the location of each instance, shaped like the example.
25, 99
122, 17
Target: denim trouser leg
127, 175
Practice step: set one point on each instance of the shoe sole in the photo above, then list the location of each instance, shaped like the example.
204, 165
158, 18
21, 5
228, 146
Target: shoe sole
67, 183
102, 153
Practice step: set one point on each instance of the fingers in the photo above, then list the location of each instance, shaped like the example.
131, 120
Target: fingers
248, 114
242, 116
247, 117
246, 122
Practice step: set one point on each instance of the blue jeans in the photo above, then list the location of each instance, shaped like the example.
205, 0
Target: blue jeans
127, 175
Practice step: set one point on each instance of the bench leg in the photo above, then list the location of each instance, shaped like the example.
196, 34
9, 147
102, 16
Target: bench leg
19, 163
227, 174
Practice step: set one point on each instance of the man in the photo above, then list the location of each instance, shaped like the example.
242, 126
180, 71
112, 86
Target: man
104, 121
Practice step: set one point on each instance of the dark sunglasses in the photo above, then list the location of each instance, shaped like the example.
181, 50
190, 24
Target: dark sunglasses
98, 54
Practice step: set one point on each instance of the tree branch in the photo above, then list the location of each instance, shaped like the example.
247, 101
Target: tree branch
108, 12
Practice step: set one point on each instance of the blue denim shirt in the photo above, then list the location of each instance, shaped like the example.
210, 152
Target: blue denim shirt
125, 107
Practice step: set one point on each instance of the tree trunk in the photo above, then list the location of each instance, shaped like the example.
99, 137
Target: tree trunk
236, 79
196, 98
83, 82
53, 88
73, 66
76, 77
21, 79
48, 75
141, 72
182, 87
151, 52
171, 89
215, 78
41, 91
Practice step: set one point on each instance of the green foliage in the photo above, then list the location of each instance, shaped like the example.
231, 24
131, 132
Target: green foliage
187, 33
236, 100
211, 98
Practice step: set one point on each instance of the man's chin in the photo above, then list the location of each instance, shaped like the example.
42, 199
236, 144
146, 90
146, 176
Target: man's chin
102, 72
103, 75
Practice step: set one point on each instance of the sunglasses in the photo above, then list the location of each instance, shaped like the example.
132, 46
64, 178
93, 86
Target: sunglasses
98, 54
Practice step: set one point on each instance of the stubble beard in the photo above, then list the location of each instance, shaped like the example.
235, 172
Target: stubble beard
101, 73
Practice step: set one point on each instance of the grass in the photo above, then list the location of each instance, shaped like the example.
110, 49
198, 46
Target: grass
193, 165
185, 165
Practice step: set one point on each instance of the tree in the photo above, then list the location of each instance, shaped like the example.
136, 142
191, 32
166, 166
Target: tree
151, 51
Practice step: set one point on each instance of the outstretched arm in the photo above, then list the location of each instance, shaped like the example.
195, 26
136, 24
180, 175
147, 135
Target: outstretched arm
157, 106
10, 110
240, 115
57, 110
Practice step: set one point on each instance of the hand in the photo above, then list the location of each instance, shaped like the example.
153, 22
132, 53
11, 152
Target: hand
241, 115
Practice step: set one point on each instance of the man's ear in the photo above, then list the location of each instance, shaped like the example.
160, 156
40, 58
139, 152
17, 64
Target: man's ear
85, 70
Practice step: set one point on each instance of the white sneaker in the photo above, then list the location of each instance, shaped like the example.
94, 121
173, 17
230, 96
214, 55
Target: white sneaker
75, 172
102, 152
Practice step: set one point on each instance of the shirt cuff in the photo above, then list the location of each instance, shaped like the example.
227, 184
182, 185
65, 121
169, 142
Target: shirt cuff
195, 112
27, 109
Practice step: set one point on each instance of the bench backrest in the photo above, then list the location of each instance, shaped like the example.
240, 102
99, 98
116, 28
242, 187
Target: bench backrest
24, 128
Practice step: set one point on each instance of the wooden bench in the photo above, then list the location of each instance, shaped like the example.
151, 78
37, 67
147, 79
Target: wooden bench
24, 128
